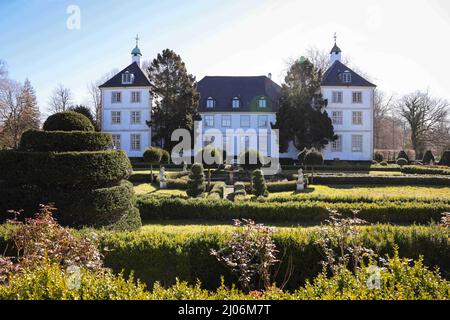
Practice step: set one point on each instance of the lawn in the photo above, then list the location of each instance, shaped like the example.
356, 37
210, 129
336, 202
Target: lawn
143, 188
373, 191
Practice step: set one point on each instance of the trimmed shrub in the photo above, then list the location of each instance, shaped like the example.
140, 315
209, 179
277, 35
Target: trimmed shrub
426, 170
251, 160
402, 162
77, 170
445, 158
217, 190
384, 163
44, 141
313, 158
428, 157
301, 156
68, 121
165, 157
403, 155
378, 157
153, 157
259, 184
196, 182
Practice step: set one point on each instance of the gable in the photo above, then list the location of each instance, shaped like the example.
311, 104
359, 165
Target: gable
140, 79
335, 74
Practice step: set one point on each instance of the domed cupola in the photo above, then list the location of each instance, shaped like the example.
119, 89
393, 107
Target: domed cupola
136, 53
335, 53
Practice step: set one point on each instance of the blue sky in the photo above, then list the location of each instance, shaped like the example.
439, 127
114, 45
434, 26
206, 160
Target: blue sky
402, 45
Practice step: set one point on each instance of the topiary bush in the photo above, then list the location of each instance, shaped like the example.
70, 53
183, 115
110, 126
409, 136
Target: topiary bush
196, 182
378, 157
402, 162
445, 159
153, 157
68, 121
251, 160
313, 158
428, 157
165, 156
403, 155
259, 184
301, 156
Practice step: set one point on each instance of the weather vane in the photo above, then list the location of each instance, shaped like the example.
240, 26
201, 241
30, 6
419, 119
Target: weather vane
137, 39
335, 37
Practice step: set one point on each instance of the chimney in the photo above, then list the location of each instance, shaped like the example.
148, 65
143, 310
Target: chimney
269, 76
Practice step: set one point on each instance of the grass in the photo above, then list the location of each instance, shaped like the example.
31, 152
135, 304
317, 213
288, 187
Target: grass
144, 188
374, 191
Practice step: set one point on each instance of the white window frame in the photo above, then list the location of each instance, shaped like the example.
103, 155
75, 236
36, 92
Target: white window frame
262, 102
210, 103
357, 97
135, 117
135, 141
127, 78
357, 143
209, 121
337, 97
116, 117
135, 97
236, 103
336, 145
226, 121
116, 97
116, 141
242, 119
357, 118
337, 117
263, 121
346, 77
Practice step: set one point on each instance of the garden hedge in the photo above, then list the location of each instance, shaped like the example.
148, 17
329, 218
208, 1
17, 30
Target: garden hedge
426, 170
172, 208
76, 170
68, 121
166, 255
35, 140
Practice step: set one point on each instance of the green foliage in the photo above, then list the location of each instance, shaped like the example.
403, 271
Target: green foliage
85, 111
301, 155
165, 156
426, 170
77, 170
402, 162
34, 140
403, 155
217, 190
445, 158
156, 208
384, 163
196, 182
428, 157
378, 157
251, 160
68, 121
153, 155
211, 156
314, 158
259, 184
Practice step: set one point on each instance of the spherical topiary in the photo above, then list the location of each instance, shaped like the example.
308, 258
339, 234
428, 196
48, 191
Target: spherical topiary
313, 158
402, 162
68, 121
378, 157
403, 155
428, 157
196, 182
259, 184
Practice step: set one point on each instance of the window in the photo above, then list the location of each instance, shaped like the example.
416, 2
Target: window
347, 77
209, 121
226, 121
210, 103
224, 142
357, 117
135, 141
337, 117
336, 145
116, 141
236, 103
336, 97
115, 117
245, 121
262, 102
357, 143
262, 121
357, 97
135, 117
127, 78
135, 97
116, 97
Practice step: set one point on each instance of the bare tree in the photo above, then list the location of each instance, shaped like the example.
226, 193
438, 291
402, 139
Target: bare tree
424, 114
3, 70
61, 99
382, 107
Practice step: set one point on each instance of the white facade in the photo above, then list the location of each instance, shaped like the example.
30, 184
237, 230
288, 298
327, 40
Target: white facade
352, 122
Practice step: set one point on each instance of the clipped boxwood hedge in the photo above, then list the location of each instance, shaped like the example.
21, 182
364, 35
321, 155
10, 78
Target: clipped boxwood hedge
68, 121
76, 170
426, 170
79, 208
35, 140
160, 208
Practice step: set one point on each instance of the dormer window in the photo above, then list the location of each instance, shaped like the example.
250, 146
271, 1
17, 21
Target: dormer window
210, 103
127, 78
262, 102
236, 103
347, 77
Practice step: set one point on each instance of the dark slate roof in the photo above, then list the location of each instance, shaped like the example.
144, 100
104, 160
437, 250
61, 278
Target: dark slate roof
248, 89
140, 79
335, 49
332, 77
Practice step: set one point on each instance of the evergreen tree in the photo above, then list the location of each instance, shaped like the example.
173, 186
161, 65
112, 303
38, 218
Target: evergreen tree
196, 182
175, 95
301, 117
259, 184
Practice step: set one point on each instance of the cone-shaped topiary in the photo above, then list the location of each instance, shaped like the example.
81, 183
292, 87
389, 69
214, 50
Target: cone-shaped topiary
428, 157
259, 184
445, 159
196, 182
68, 121
403, 154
